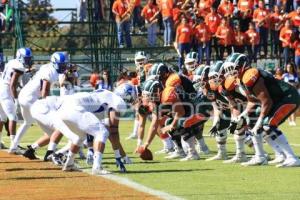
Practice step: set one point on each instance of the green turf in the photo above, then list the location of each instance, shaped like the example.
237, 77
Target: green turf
201, 179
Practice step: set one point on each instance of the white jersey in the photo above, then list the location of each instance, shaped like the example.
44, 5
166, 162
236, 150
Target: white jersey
32, 90
96, 102
10, 68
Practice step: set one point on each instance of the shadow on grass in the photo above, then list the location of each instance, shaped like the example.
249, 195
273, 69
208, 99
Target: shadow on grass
165, 171
32, 169
43, 177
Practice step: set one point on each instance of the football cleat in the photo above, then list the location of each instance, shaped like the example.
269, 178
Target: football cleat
29, 153
120, 165
48, 155
203, 150
100, 171
289, 162
193, 156
219, 156
176, 154
58, 159
70, 168
239, 158
255, 161
278, 159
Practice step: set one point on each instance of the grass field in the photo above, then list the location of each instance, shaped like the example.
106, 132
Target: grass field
201, 179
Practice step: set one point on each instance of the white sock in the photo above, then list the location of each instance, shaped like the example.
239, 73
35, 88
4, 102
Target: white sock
52, 146
285, 147
35, 146
97, 160
239, 143
202, 143
135, 127
117, 153
221, 148
12, 137
70, 158
277, 150
168, 143
258, 145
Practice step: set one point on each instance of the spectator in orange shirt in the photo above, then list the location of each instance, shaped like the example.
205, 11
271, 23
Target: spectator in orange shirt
285, 36
213, 20
166, 7
226, 8
122, 11
239, 39
275, 19
294, 16
203, 38
253, 42
94, 78
183, 39
225, 35
296, 46
203, 7
150, 14
261, 19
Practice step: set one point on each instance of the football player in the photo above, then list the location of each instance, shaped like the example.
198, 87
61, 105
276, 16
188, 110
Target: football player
278, 100
14, 69
38, 87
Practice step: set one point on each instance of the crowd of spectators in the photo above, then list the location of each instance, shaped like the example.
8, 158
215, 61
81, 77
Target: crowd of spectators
260, 28
5, 16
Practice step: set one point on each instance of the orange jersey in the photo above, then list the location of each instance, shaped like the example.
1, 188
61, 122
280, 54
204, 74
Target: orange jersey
166, 7
120, 7
204, 7
239, 38
285, 36
176, 14
169, 95
295, 18
94, 78
296, 46
252, 37
202, 33
213, 20
173, 80
260, 16
226, 9
225, 35
149, 11
184, 33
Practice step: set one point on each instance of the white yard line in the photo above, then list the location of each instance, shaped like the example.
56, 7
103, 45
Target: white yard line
137, 186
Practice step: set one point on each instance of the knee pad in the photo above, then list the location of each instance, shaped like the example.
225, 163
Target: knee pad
271, 132
76, 140
102, 136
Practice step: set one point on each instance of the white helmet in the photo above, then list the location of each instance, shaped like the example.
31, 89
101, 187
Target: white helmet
24, 55
190, 61
140, 59
128, 92
59, 61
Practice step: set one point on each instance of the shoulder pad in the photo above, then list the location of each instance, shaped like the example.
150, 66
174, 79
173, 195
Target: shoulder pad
169, 95
173, 80
230, 84
16, 65
250, 77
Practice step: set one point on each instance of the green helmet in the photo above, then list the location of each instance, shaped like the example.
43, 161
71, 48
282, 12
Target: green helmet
190, 61
152, 89
158, 71
216, 75
235, 64
200, 77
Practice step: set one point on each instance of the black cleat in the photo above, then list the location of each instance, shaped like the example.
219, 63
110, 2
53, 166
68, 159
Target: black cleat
29, 153
58, 159
48, 155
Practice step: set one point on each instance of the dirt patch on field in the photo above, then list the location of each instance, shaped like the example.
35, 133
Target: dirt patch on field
22, 179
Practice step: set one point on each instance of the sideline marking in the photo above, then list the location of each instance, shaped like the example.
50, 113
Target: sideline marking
136, 186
